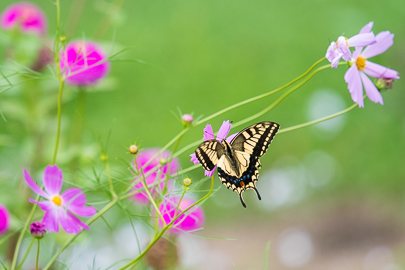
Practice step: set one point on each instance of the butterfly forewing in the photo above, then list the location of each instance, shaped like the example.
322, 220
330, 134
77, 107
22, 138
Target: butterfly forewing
208, 153
255, 139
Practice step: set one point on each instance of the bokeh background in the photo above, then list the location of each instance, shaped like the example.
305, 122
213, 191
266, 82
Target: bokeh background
333, 194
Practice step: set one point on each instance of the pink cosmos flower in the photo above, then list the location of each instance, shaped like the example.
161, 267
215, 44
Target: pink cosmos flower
83, 63
340, 49
209, 135
188, 222
4, 219
60, 209
356, 75
26, 16
156, 180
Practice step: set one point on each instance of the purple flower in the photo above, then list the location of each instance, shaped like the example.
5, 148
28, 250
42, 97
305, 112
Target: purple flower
38, 229
60, 209
25, 16
188, 222
155, 180
356, 76
4, 219
83, 63
209, 135
340, 49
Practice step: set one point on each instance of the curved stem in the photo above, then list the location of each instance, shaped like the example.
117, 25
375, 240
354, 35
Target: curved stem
269, 93
168, 226
319, 120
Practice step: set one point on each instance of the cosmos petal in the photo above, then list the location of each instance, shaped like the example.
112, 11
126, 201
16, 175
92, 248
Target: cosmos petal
353, 81
224, 130
384, 40
32, 185
53, 179
208, 133
378, 71
371, 90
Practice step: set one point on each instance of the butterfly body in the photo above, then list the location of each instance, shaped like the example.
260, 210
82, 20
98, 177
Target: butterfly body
238, 160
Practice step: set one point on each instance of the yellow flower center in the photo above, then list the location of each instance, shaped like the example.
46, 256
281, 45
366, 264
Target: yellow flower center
57, 200
361, 63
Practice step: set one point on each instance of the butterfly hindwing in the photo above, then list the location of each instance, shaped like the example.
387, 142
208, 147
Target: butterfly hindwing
208, 153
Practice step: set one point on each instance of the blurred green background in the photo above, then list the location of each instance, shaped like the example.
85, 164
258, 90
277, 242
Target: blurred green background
334, 194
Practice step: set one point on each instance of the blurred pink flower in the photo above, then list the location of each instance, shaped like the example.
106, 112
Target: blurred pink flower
83, 63
26, 16
156, 180
192, 220
356, 76
340, 48
60, 209
209, 135
4, 219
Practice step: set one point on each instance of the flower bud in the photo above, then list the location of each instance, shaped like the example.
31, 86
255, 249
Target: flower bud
187, 120
187, 182
384, 84
133, 149
37, 229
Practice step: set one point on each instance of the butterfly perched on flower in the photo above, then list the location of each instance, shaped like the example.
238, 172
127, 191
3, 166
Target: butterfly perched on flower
238, 160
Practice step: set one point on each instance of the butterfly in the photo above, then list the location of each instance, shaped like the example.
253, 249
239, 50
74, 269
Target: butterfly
238, 160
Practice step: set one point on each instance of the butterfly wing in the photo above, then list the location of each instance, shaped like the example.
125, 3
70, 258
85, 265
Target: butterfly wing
248, 145
208, 153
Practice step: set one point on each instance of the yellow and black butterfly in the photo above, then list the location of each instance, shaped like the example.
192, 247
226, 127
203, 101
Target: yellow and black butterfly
238, 161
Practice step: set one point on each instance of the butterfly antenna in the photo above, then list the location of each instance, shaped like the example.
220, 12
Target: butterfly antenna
241, 200
258, 194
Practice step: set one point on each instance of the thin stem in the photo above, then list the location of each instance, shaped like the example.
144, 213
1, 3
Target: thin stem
20, 265
281, 98
59, 119
73, 237
38, 252
168, 226
21, 236
319, 120
145, 186
269, 93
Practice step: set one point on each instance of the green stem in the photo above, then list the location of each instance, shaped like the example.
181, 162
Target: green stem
319, 120
21, 236
37, 257
269, 93
58, 128
281, 98
20, 265
73, 237
168, 226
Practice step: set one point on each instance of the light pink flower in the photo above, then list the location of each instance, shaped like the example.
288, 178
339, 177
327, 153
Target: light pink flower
192, 220
155, 180
356, 76
25, 16
60, 209
209, 135
340, 49
4, 219
83, 63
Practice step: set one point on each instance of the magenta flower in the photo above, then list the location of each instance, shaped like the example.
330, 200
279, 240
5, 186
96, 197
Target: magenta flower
83, 63
192, 220
356, 75
25, 16
209, 135
155, 180
340, 49
4, 219
60, 209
